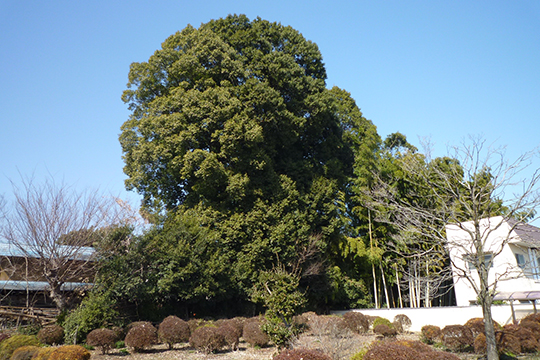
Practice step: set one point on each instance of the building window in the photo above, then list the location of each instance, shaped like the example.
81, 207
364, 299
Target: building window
520, 259
471, 259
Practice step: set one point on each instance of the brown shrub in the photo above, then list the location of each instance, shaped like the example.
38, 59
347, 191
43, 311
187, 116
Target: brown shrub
302, 354
231, 334
457, 337
532, 317
405, 350
507, 342
253, 334
173, 330
24, 352
476, 325
531, 325
480, 344
207, 339
430, 334
141, 336
526, 337
416, 345
70, 352
384, 330
43, 353
103, 339
356, 322
194, 324
402, 320
327, 325
51, 335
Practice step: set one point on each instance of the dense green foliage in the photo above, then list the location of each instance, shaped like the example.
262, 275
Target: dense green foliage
8, 346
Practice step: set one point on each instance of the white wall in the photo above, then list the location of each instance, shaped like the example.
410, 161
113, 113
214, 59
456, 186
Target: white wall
448, 315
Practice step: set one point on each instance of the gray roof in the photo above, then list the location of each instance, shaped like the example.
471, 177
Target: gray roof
528, 234
74, 253
37, 285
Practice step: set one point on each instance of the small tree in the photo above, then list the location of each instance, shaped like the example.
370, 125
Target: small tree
53, 224
472, 184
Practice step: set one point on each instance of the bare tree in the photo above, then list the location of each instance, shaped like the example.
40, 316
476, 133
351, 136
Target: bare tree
54, 225
475, 182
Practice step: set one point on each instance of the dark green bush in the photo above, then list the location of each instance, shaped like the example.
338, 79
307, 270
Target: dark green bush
94, 312
207, 339
103, 339
25, 352
70, 352
8, 346
383, 321
51, 335
173, 330
253, 334
141, 336
301, 354
356, 322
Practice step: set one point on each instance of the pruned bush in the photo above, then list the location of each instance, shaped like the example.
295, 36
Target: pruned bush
403, 321
532, 317
476, 325
332, 336
527, 338
8, 346
301, 323
480, 346
51, 335
301, 354
25, 352
173, 330
43, 353
70, 352
103, 339
430, 334
141, 336
531, 325
380, 320
457, 338
196, 323
404, 350
416, 345
384, 330
507, 342
207, 339
356, 322
253, 334
231, 333
4, 336
327, 325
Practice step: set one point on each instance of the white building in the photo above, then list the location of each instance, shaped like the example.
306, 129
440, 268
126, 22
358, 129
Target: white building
512, 250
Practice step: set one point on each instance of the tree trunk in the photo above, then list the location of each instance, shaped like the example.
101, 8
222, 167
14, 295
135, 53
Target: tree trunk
57, 297
399, 289
491, 342
384, 285
375, 287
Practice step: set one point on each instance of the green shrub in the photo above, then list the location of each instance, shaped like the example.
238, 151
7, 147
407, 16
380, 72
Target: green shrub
4, 336
359, 355
103, 339
141, 336
70, 352
301, 354
173, 330
43, 353
382, 321
280, 334
25, 352
8, 346
30, 329
51, 335
94, 312
207, 339
356, 322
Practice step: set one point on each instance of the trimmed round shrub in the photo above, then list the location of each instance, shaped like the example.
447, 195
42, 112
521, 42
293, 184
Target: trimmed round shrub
173, 330
356, 322
402, 321
25, 352
70, 352
507, 342
43, 353
430, 334
404, 350
457, 338
231, 334
253, 334
207, 339
103, 339
141, 336
531, 325
480, 346
195, 323
532, 317
302, 354
51, 335
416, 345
327, 325
527, 338
8, 346
384, 330
383, 321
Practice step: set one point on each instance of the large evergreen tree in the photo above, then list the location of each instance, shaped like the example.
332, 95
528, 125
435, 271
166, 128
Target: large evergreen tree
232, 125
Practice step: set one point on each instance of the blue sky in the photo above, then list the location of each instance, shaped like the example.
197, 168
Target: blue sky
437, 69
